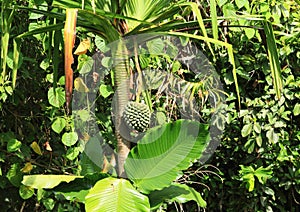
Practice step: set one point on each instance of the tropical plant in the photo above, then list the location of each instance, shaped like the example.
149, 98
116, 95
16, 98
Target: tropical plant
113, 22
127, 45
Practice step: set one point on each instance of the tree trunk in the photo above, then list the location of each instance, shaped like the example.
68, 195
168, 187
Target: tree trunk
121, 66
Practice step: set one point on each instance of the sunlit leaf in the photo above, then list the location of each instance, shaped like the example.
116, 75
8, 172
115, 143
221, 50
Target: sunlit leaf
106, 90
36, 148
272, 136
296, 109
247, 129
250, 32
56, 97
151, 165
80, 86
180, 193
155, 46
13, 145
47, 181
69, 138
26, 192
49, 203
115, 195
72, 153
86, 66
84, 45
14, 175
58, 125
100, 44
27, 168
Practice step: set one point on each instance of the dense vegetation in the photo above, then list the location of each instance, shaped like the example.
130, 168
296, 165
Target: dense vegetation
246, 87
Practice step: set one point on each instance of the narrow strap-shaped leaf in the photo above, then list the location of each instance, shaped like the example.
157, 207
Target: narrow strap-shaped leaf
40, 30
213, 12
195, 9
56, 57
273, 58
16, 56
6, 19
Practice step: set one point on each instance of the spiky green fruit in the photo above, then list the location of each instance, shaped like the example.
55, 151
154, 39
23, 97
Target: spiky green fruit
137, 116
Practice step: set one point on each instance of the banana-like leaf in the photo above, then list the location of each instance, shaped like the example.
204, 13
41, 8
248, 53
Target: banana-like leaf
180, 193
47, 181
112, 194
164, 152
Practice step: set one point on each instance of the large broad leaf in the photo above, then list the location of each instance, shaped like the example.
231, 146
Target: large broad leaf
163, 152
180, 193
111, 194
47, 181
79, 188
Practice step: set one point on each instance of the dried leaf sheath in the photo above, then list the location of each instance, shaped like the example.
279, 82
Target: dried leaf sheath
69, 33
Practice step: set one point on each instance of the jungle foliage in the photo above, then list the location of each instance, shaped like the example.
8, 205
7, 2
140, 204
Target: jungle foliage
62, 158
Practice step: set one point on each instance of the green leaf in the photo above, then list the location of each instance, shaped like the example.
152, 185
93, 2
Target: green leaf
155, 46
272, 136
69, 138
241, 3
49, 203
106, 90
72, 153
47, 181
247, 129
100, 44
248, 174
180, 193
144, 61
273, 58
58, 125
250, 145
257, 127
86, 66
151, 165
77, 189
84, 115
214, 18
13, 145
263, 174
161, 118
56, 97
89, 165
176, 66
45, 64
107, 62
229, 10
259, 140
26, 192
14, 175
296, 110
111, 194
250, 32
10, 60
